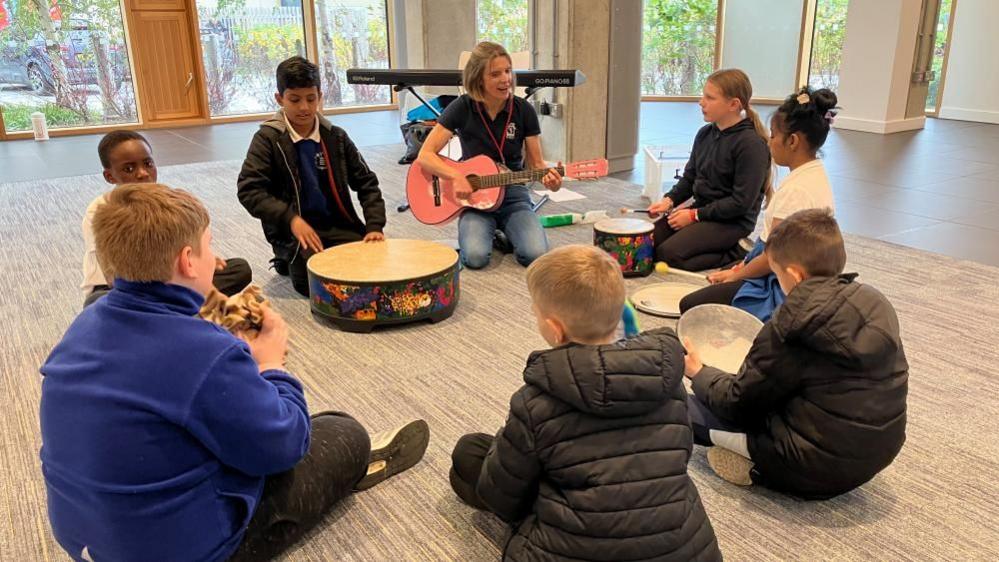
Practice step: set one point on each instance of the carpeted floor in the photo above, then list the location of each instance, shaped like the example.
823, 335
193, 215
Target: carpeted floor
938, 501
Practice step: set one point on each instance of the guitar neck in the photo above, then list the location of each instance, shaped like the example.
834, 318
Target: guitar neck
509, 178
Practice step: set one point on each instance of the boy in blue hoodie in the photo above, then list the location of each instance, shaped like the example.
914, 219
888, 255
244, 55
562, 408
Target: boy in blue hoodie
166, 437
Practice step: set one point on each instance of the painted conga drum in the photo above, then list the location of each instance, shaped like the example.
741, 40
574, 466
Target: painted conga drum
361, 285
629, 241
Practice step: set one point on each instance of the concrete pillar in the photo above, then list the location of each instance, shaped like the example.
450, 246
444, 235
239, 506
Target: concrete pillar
602, 38
876, 70
436, 32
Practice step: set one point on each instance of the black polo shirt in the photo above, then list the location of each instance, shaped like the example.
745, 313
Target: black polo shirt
462, 118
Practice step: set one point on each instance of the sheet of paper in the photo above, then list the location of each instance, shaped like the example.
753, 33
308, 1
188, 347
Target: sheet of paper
560, 195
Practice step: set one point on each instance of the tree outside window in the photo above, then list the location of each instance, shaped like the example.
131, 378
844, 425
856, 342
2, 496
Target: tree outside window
504, 22
66, 60
827, 44
352, 34
678, 46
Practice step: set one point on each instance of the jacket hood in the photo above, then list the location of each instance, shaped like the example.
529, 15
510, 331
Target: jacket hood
626, 378
841, 318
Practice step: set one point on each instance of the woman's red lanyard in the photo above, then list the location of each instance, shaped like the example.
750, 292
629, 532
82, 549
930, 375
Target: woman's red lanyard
329, 174
509, 115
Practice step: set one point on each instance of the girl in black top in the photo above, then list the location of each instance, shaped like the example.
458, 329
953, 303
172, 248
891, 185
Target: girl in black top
728, 176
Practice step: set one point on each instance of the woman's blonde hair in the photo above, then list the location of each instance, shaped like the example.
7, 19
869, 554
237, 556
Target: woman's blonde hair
472, 76
734, 83
141, 228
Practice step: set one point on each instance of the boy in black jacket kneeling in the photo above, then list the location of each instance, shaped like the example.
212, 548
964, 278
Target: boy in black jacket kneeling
296, 176
592, 461
818, 406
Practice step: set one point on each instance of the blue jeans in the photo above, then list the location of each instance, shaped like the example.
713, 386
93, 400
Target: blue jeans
515, 218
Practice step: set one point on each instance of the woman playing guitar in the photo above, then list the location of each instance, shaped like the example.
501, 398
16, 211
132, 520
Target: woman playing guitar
489, 119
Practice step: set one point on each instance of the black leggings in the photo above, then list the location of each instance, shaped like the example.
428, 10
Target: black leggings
719, 293
295, 501
699, 246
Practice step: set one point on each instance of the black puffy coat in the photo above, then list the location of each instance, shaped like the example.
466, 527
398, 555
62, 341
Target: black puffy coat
592, 461
822, 391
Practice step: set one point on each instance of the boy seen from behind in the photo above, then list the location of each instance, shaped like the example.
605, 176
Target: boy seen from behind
592, 461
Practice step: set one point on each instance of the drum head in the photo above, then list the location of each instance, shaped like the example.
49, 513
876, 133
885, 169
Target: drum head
662, 299
623, 226
721, 334
395, 259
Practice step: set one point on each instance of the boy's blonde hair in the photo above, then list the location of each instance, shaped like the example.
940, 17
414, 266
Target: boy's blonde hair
582, 286
141, 228
478, 63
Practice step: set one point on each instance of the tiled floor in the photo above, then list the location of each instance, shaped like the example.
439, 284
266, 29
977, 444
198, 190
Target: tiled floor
935, 189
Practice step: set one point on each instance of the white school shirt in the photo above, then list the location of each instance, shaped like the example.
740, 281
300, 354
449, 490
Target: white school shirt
807, 187
92, 274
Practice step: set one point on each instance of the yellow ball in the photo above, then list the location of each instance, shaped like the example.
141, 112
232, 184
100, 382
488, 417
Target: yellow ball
662, 268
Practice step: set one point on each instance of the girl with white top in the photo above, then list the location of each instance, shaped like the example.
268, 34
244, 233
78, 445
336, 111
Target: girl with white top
798, 129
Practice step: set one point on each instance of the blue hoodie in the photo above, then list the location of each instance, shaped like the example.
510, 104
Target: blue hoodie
158, 429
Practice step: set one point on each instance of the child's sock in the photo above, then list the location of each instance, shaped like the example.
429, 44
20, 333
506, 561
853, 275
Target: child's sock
731, 467
394, 451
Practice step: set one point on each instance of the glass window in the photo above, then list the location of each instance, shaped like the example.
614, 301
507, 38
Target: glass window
242, 42
504, 22
762, 38
827, 44
352, 34
68, 62
678, 46
939, 47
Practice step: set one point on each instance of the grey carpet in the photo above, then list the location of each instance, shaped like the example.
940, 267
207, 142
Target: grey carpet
938, 501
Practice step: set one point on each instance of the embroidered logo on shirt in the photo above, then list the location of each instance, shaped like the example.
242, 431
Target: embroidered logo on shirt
320, 161
511, 131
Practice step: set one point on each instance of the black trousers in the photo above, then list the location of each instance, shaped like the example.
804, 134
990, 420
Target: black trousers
719, 293
702, 421
466, 466
699, 246
293, 502
297, 267
233, 278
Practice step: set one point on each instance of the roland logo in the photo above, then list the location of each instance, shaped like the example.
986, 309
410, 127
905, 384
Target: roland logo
362, 78
553, 81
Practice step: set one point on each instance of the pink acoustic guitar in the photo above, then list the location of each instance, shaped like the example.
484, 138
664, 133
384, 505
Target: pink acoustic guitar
432, 198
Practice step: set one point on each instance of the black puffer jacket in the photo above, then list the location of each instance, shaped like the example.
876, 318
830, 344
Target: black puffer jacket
592, 461
269, 182
822, 391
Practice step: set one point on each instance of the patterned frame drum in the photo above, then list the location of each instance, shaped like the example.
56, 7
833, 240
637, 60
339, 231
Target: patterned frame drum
629, 241
359, 286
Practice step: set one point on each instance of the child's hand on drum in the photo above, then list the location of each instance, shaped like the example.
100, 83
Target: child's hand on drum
692, 360
271, 344
374, 237
660, 207
219, 264
552, 180
305, 235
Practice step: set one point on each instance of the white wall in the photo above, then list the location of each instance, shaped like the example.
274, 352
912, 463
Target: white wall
878, 53
971, 86
762, 37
